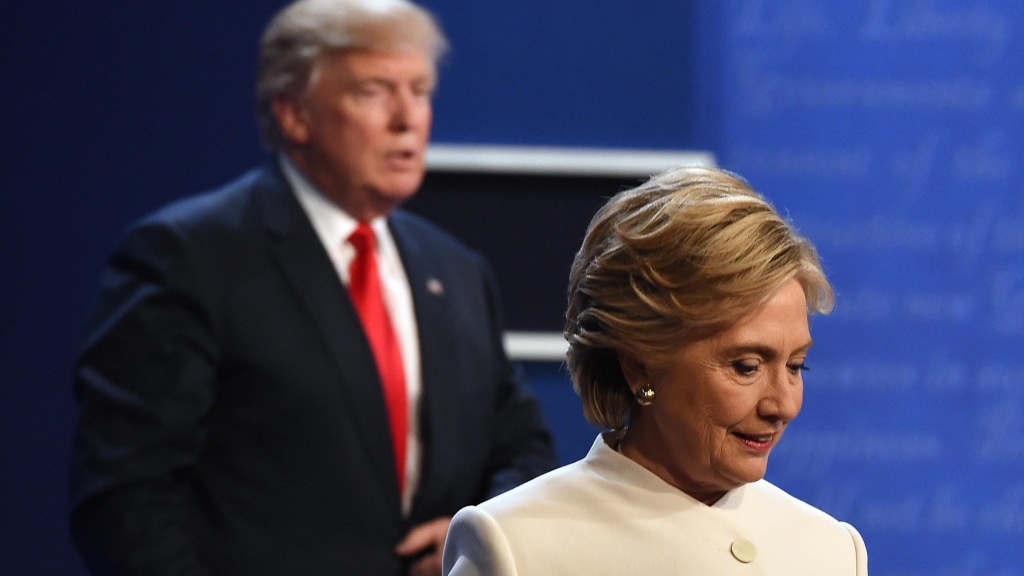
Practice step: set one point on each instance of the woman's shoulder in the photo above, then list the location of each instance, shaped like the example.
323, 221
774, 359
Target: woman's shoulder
496, 537
783, 521
563, 487
766, 498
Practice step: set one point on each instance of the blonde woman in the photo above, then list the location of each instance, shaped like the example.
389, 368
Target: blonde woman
688, 334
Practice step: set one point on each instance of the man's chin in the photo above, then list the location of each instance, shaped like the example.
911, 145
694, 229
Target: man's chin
394, 196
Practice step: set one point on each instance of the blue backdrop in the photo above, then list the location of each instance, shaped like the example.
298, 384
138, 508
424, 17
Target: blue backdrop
891, 131
888, 130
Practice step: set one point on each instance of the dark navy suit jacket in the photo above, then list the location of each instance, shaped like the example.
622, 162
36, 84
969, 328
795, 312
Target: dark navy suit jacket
231, 416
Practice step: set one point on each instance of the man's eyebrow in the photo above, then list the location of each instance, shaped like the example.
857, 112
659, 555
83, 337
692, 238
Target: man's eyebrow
372, 80
428, 81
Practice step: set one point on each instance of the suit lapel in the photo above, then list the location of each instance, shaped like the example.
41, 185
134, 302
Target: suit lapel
433, 319
298, 250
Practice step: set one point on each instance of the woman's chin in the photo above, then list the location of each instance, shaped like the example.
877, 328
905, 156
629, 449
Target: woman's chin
745, 470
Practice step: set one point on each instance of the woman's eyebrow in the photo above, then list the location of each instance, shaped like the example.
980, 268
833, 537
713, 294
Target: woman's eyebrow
763, 350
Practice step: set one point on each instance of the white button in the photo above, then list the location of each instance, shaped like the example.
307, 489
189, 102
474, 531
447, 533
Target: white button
744, 551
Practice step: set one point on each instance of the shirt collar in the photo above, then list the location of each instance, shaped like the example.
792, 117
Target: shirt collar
331, 222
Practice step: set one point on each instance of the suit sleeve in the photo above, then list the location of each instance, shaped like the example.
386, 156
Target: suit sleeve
860, 550
522, 448
144, 379
476, 546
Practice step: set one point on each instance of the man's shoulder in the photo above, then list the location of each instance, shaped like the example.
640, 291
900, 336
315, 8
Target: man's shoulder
227, 206
216, 226
412, 227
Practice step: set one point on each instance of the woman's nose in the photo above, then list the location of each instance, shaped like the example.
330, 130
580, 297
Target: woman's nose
783, 397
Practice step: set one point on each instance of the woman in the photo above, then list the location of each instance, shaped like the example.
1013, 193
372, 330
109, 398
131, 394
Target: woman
688, 332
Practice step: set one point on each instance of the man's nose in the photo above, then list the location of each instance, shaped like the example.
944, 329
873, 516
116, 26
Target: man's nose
407, 111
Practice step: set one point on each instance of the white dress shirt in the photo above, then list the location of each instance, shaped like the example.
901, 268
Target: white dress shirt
333, 225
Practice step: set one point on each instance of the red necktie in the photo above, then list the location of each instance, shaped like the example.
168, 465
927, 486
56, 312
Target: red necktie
365, 290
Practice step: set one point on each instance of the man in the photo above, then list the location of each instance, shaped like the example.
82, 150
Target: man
287, 375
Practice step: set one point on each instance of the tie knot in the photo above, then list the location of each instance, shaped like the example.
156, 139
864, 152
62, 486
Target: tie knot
363, 239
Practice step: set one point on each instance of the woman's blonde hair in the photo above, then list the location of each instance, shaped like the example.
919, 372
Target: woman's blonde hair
687, 254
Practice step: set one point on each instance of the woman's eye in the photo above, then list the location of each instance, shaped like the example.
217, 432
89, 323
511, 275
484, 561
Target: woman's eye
745, 367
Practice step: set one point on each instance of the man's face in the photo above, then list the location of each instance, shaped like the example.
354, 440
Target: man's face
360, 131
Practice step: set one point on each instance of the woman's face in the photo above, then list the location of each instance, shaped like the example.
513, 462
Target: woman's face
724, 401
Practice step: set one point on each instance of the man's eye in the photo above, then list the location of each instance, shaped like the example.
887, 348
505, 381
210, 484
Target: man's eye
423, 91
745, 367
368, 91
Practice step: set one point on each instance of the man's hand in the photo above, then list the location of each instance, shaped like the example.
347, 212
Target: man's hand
427, 542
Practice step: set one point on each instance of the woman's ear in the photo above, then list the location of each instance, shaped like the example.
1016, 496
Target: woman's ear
634, 371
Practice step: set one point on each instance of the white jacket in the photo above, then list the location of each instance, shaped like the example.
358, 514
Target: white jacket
606, 514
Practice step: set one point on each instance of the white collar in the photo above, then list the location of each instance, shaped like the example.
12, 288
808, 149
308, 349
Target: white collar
331, 222
604, 456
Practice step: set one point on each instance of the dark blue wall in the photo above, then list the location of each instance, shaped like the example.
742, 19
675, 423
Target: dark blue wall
888, 129
601, 73
109, 110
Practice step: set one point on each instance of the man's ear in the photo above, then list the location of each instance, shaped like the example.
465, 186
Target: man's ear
292, 119
635, 372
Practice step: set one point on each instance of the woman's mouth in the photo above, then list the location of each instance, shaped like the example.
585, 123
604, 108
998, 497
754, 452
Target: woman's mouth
756, 442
